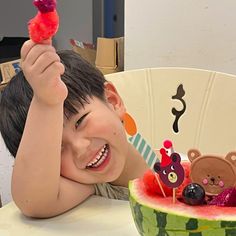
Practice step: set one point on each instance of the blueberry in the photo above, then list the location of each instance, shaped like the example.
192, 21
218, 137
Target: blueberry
193, 194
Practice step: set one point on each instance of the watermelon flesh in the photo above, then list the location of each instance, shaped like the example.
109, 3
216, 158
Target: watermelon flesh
156, 215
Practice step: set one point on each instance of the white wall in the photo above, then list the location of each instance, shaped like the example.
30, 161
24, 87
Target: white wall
188, 33
76, 20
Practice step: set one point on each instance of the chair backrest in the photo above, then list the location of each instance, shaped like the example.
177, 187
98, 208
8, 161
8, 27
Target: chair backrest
194, 108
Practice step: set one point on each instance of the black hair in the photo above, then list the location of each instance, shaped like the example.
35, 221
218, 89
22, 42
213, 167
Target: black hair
82, 79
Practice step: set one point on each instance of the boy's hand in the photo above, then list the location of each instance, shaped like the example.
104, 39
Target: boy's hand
42, 68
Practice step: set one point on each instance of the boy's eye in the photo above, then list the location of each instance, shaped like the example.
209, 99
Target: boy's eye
80, 120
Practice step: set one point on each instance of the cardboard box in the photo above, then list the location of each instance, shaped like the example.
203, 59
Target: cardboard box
8, 70
86, 50
110, 55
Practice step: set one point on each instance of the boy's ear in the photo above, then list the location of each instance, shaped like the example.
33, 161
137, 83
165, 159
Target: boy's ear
114, 100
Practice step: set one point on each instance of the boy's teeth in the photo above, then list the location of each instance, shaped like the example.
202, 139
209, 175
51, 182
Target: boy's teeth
98, 160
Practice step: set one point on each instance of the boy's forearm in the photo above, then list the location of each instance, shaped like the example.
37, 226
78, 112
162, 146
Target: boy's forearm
36, 173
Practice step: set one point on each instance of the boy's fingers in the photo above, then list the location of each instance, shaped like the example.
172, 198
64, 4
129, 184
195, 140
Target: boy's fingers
62, 71
52, 73
61, 68
45, 60
38, 51
57, 67
47, 41
27, 46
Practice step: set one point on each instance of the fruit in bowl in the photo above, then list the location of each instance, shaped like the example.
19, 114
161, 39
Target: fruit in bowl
193, 213
158, 215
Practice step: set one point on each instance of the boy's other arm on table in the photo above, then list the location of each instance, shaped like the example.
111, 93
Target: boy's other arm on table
37, 187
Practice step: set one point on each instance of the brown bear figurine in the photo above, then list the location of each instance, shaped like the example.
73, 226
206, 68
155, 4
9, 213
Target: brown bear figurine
213, 173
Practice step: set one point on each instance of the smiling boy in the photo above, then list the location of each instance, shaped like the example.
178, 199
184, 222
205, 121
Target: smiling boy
62, 121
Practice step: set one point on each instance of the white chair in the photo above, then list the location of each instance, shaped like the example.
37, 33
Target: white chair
194, 108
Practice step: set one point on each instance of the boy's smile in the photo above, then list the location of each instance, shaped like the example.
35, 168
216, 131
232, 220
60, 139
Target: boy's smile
100, 159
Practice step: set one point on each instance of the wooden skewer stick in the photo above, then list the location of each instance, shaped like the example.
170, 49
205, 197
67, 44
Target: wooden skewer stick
158, 181
174, 197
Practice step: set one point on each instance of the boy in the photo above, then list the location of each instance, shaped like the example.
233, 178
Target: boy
66, 133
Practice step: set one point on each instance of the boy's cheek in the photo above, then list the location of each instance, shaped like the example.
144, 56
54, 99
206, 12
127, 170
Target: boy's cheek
100, 128
111, 131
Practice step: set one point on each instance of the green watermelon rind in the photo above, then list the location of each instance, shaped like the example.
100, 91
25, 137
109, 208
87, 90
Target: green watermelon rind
152, 221
146, 224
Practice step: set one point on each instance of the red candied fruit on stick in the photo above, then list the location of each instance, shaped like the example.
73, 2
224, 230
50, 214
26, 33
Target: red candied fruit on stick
45, 24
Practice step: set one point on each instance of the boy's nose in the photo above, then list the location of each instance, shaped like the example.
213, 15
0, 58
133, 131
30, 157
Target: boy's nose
80, 146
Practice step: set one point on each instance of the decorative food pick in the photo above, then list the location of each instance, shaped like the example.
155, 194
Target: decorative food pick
168, 146
145, 150
129, 124
170, 170
217, 172
139, 143
45, 24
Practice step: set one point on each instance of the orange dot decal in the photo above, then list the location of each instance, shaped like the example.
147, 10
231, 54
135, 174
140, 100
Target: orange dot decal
129, 124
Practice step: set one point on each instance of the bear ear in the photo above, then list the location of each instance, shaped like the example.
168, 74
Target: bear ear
193, 154
231, 157
175, 157
157, 167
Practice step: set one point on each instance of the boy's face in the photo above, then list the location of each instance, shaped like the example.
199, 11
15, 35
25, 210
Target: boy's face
94, 144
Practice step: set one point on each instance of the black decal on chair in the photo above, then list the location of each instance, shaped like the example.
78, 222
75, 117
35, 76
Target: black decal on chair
179, 96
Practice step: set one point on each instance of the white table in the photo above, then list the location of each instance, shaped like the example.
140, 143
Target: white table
96, 216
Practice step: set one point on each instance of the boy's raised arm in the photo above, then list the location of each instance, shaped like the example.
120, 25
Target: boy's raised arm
37, 187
